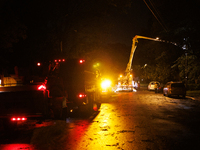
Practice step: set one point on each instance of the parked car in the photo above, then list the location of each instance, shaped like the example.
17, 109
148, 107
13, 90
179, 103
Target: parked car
174, 88
152, 85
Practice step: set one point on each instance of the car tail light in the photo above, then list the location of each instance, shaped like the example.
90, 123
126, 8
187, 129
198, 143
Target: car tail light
81, 95
42, 87
18, 119
38, 64
81, 61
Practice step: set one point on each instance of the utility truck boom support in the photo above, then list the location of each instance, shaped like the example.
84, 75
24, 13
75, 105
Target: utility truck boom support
126, 83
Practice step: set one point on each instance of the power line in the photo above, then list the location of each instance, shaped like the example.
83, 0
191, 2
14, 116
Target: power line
158, 14
155, 16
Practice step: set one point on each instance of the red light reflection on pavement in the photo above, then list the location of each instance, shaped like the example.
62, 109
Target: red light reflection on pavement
78, 131
17, 147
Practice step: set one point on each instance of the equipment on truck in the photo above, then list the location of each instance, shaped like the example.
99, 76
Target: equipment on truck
126, 83
73, 78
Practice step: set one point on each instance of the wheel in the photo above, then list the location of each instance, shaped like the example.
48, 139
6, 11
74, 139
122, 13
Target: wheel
164, 93
90, 104
167, 94
57, 108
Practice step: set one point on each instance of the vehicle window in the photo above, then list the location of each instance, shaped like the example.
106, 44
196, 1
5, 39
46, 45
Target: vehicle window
177, 85
72, 73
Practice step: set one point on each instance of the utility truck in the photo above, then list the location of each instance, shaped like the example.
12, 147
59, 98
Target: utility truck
126, 82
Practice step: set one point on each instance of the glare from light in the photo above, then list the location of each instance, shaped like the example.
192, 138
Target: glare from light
106, 84
81, 95
42, 87
81, 61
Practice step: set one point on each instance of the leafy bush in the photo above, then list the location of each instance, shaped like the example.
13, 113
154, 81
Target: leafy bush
193, 87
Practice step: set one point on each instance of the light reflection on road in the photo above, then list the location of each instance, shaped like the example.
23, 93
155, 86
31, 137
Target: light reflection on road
125, 121
110, 129
17, 147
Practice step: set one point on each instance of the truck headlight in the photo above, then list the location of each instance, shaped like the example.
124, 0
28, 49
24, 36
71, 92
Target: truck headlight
105, 84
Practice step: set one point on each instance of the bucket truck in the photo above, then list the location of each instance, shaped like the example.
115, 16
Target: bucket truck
125, 82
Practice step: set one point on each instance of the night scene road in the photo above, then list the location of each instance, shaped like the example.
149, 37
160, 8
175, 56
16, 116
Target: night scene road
141, 120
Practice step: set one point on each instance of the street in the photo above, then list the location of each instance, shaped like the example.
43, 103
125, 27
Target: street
142, 120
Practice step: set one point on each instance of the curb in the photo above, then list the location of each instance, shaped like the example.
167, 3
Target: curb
193, 98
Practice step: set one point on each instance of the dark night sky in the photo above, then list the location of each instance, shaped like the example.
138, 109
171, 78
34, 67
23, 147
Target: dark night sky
126, 25
82, 22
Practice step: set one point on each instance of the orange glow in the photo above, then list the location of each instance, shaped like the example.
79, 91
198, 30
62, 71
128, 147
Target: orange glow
38, 64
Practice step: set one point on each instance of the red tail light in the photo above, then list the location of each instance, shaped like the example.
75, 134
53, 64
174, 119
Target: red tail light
38, 64
81, 95
18, 119
81, 61
42, 87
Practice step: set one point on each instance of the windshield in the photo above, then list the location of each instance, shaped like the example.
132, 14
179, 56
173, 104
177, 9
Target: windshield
177, 85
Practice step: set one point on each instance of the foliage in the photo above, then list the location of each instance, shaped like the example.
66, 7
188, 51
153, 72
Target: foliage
189, 66
181, 27
11, 29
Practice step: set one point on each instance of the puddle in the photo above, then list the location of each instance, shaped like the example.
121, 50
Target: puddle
184, 107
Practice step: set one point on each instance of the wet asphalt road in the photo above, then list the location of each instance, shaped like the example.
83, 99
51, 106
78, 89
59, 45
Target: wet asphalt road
140, 120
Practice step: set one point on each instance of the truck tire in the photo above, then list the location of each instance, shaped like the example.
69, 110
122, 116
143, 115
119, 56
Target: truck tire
57, 108
90, 104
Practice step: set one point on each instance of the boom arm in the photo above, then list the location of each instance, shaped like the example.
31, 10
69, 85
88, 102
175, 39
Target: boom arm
134, 45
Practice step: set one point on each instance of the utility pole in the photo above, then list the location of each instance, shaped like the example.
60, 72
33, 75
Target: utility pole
185, 48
